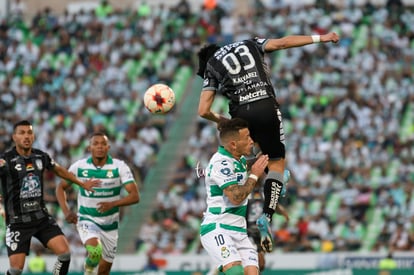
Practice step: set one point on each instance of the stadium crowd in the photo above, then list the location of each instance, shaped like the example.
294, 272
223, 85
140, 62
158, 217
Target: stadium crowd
77, 73
348, 109
348, 112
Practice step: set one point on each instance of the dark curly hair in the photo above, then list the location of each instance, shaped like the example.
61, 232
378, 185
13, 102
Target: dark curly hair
204, 55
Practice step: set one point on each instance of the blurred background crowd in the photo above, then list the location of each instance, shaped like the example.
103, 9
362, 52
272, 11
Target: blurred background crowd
348, 110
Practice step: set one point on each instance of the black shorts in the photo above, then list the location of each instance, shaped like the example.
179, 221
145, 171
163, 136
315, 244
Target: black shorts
265, 126
19, 235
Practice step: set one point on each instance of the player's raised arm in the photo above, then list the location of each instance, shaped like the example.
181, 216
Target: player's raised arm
292, 41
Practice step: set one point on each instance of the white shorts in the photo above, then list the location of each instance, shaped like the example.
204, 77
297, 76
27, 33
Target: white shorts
109, 239
225, 246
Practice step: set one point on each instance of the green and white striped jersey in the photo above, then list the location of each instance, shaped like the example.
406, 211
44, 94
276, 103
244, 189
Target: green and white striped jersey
113, 175
224, 170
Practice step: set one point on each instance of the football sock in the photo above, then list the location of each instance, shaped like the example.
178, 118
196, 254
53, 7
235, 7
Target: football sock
272, 190
62, 264
14, 271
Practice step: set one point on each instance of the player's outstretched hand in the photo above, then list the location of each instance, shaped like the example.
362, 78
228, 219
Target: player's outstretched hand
330, 37
259, 166
71, 217
90, 184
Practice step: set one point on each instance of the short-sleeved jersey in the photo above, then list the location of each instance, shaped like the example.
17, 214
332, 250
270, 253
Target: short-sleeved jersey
22, 185
113, 176
224, 170
238, 71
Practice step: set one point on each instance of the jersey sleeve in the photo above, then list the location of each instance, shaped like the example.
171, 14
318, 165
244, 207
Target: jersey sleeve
72, 169
210, 82
261, 43
223, 174
3, 165
49, 161
125, 173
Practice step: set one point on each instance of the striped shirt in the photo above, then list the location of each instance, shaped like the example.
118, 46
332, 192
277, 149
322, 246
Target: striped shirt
113, 176
224, 170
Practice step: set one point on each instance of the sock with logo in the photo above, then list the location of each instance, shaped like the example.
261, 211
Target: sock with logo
62, 264
272, 190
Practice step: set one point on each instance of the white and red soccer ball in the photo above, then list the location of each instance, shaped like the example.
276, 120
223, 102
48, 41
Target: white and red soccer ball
159, 98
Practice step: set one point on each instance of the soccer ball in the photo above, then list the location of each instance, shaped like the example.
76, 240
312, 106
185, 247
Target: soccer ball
159, 98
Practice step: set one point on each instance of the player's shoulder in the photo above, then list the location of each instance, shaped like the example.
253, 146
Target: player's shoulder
119, 162
220, 161
8, 152
38, 152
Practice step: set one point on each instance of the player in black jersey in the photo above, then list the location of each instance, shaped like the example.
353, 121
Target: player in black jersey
238, 72
21, 177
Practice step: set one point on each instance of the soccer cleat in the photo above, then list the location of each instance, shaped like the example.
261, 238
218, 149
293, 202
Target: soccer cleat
266, 236
89, 270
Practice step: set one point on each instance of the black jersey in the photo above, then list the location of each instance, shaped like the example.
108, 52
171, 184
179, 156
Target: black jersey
22, 185
238, 71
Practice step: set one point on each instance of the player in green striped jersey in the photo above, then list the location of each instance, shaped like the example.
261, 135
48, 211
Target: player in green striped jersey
97, 217
228, 185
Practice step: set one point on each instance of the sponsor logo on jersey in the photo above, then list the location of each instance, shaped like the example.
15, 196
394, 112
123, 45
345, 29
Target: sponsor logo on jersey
18, 167
85, 173
225, 171
29, 167
253, 96
30, 187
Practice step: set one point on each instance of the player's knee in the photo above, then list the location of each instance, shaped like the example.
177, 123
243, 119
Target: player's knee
94, 254
275, 175
235, 270
65, 257
14, 271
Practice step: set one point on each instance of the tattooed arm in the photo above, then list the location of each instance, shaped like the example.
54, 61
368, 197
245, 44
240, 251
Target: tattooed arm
238, 193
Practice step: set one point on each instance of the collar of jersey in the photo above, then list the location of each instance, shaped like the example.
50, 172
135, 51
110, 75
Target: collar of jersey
108, 160
242, 160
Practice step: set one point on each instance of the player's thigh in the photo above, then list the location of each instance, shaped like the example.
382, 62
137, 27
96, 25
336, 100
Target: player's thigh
109, 241
89, 232
265, 125
18, 241
59, 245
220, 247
52, 237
